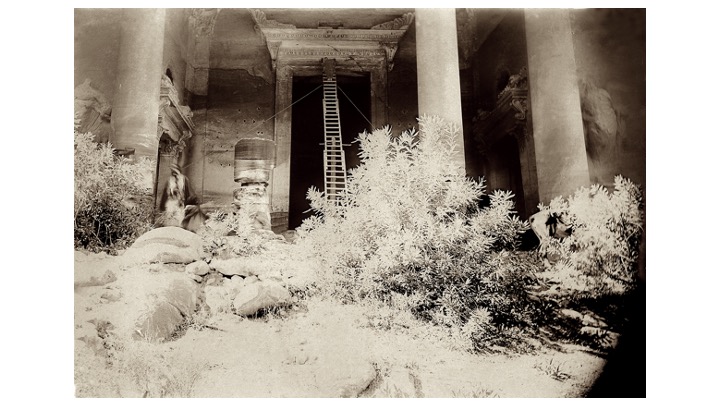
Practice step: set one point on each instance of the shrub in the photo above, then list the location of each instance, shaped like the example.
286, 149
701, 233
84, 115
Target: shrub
410, 225
600, 256
230, 233
112, 204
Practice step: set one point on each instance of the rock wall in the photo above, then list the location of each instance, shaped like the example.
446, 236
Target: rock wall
97, 38
610, 56
238, 103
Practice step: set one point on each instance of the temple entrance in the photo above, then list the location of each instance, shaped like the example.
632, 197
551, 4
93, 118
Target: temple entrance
505, 172
306, 156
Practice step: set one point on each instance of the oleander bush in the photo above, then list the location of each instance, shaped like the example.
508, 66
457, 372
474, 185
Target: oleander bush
113, 206
410, 226
601, 255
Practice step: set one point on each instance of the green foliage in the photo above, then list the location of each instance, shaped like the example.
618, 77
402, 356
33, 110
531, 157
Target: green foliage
600, 257
230, 233
410, 226
112, 204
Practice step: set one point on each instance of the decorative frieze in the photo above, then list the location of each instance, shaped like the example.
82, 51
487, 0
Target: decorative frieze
400, 23
291, 45
330, 52
261, 21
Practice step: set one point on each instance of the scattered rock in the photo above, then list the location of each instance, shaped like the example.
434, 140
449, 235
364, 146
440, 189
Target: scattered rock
217, 299
290, 236
585, 319
214, 278
233, 267
111, 297
272, 276
350, 382
251, 279
269, 235
400, 383
260, 295
94, 281
166, 315
199, 268
160, 324
168, 244
571, 313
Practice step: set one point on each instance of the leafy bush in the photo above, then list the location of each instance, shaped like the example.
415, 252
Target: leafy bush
230, 233
112, 204
409, 225
600, 256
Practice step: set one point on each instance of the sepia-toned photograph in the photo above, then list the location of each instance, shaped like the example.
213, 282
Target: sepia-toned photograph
359, 203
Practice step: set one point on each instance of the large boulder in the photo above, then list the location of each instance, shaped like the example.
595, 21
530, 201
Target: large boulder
168, 244
260, 295
177, 302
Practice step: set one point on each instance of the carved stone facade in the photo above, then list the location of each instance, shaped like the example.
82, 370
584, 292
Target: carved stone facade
509, 117
174, 119
356, 48
300, 51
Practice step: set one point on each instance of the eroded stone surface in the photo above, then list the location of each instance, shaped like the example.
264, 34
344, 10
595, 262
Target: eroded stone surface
260, 295
165, 245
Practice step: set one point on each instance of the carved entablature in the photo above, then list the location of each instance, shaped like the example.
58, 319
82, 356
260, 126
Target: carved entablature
509, 117
174, 119
400, 23
361, 48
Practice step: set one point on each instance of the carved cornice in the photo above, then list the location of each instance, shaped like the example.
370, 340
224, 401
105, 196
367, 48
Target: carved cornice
290, 45
202, 20
400, 23
174, 119
261, 21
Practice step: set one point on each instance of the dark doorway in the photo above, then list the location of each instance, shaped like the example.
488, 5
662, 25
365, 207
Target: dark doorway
505, 172
306, 153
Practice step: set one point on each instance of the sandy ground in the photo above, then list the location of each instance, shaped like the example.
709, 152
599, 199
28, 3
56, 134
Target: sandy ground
315, 349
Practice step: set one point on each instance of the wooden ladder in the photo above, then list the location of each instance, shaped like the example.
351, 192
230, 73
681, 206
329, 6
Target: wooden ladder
333, 155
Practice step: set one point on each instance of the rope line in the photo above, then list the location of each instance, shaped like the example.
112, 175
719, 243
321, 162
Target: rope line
356, 107
264, 121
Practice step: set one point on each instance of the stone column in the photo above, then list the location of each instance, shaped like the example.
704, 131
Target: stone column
438, 70
137, 92
557, 126
280, 181
378, 93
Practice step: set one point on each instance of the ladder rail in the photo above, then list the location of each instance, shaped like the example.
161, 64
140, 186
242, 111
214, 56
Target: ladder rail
335, 173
